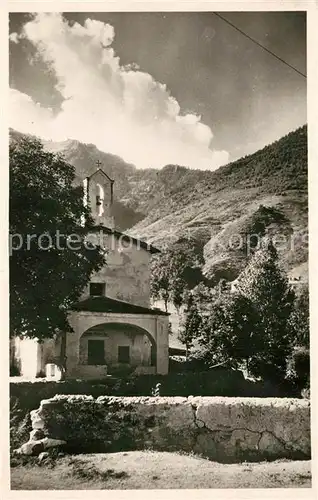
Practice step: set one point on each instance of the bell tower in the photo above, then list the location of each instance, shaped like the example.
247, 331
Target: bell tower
98, 194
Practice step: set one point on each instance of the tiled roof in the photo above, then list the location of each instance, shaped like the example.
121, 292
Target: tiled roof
106, 304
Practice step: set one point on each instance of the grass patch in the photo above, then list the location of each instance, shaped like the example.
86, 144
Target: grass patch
89, 472
152, 470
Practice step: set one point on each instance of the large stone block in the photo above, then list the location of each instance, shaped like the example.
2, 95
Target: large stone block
223, 429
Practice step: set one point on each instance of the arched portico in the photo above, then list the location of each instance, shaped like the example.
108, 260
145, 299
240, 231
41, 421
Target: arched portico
119, 346
103, 343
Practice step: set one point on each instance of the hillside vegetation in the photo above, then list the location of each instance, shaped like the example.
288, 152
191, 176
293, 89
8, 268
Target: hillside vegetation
263, 192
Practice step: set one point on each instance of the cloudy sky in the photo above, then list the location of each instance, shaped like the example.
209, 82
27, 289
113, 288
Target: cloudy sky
159, 88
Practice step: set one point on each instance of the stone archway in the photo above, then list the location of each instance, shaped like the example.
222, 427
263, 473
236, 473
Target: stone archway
118, 346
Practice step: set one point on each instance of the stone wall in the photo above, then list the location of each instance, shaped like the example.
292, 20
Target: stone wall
222, 429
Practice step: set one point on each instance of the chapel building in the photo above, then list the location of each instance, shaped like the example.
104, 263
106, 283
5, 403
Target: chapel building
115, 330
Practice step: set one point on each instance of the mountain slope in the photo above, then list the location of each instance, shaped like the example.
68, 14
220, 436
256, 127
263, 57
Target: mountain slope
216, 207
274, 170
220, 207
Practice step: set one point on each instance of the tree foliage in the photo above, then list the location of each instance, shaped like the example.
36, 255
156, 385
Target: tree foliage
160, 286
266, 286
191, 325
49, 271
299, 319
175, 271
255, 326
204, 296
298, 366
230, 333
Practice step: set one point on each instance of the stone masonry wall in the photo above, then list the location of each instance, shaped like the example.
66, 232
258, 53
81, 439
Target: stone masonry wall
222, 429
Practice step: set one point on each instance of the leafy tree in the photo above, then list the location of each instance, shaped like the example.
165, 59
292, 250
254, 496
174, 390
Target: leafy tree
299, 360
299, 319
160, 284
176, 270
189, 252
299, 367
191, 326
204, 296
230, 332
51, 260
222, 286
179, 287
266, 286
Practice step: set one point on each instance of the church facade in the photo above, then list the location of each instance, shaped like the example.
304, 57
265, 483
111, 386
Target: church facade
115, 330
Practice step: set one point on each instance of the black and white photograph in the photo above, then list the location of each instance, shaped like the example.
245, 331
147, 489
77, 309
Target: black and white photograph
159, 332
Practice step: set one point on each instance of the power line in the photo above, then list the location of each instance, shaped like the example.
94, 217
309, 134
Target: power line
260, 45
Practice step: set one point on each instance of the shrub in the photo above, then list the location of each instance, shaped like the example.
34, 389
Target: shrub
14, 370
219, 381
177, 364
299, 367
20, 424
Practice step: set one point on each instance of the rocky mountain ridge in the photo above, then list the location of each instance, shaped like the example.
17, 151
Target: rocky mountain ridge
265, 192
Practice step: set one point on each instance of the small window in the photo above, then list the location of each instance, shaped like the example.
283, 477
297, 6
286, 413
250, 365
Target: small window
97, 289
95, 352
123, 354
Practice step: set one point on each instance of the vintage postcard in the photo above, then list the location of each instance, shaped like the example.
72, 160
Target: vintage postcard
160, 325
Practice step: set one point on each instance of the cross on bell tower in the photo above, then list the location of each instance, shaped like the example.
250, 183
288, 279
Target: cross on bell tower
98, 163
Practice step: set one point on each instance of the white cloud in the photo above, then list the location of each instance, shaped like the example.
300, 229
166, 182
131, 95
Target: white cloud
119, 108
14, 37
28, 116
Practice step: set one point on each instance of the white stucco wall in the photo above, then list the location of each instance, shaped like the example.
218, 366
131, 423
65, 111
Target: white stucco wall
127, 272
32, 356
28, 356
